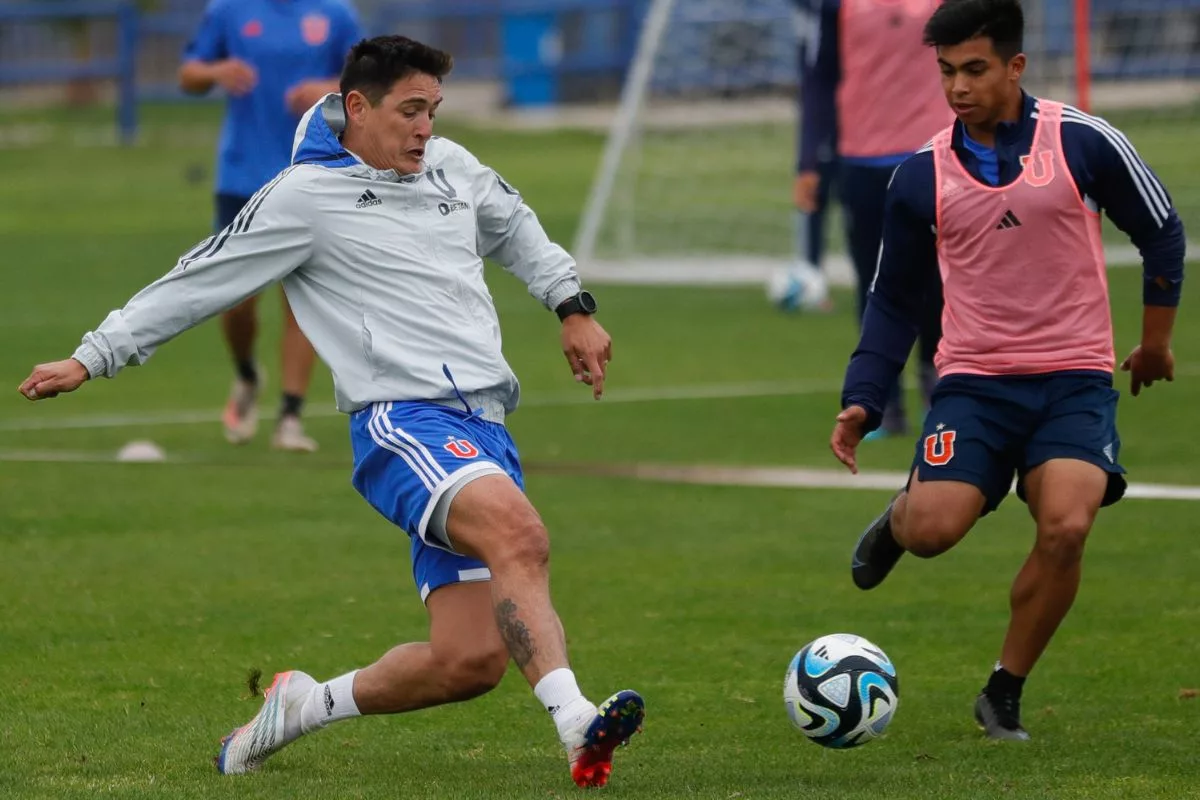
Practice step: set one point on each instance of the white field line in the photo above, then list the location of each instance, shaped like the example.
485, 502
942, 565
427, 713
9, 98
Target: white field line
652, 394
746, 270
716, 391
772, 477
803, 478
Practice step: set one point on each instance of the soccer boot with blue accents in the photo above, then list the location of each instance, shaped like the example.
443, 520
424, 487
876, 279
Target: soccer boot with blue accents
877, 551
1000, 716
276, 725
590, 747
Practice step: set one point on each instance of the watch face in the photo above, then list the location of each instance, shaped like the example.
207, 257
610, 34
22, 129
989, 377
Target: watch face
587, 302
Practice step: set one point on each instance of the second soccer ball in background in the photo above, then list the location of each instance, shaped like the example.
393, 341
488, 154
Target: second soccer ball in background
798, 287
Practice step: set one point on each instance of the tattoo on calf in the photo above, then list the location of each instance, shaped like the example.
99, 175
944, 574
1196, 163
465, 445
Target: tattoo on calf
514, 633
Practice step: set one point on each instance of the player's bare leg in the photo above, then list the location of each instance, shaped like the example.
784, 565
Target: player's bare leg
492, 520
1064, 496
464, 658
474, 629
298, 359
933, 516
926, 519
240, 326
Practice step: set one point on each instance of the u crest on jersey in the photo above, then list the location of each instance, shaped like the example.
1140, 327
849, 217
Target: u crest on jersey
461, 448
939, 448
1038, 173
315, 29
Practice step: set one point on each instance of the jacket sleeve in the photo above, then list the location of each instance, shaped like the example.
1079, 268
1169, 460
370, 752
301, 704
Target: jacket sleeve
510, 233
820, 72
1108, 170
270, 238
906, 273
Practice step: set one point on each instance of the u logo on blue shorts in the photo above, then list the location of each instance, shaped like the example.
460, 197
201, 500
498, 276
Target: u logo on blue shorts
409, 456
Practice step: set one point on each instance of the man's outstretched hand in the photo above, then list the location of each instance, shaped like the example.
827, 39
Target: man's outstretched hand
51, 380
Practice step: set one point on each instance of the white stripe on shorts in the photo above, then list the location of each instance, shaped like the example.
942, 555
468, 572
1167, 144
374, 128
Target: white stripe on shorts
381, 438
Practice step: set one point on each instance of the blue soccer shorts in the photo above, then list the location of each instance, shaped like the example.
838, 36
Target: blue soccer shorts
983, 430
226, 207
410, 459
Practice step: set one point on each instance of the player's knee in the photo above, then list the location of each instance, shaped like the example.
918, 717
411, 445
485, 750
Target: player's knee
521, 540
471, 673
1062, 536
931, 543
930, 531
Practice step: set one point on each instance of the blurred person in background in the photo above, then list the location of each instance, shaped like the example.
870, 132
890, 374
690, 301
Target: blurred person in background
274, 59
812, 213
869, 99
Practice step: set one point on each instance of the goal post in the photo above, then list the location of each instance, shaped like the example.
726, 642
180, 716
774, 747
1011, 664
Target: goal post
695, 182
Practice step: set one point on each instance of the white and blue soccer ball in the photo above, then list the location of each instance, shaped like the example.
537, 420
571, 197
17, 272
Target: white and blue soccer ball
841, 691
798, 287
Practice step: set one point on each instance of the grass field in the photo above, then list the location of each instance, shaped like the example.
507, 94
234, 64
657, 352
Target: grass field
135, 598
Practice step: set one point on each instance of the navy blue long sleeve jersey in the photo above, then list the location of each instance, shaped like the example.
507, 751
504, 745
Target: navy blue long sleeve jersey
820, 71
1107, 171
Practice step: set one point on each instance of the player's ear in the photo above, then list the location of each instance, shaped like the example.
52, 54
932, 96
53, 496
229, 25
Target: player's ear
357, 105
1016, 67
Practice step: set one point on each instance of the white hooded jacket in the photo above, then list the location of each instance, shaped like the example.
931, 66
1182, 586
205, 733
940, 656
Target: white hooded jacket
384, 273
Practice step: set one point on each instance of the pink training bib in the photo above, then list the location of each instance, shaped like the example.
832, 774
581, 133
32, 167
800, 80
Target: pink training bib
1022, 266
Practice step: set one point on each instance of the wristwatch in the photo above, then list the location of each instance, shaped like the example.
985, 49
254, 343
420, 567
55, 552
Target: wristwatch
582, 303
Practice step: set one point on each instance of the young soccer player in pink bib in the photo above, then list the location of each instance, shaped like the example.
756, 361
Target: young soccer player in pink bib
1005, 204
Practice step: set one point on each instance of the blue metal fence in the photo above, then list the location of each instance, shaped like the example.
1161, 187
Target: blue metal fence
22, 64
543, 52
536, 48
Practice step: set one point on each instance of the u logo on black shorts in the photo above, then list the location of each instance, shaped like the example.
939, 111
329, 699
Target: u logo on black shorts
939, 448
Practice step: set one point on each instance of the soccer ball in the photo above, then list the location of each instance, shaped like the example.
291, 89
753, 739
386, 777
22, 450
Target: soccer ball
799, 287
841, 691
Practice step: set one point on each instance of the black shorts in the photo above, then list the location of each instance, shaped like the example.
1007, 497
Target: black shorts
983, 430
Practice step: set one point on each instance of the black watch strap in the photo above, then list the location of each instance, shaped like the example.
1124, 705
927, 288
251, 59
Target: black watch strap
582, 303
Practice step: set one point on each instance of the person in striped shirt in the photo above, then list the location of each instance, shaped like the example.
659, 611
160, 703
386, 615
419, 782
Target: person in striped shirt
1005, 204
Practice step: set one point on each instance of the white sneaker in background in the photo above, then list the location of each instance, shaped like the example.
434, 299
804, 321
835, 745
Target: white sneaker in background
241, 412
289, 435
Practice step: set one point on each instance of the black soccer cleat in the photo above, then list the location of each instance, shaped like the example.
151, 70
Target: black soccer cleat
877, 551
1000, 717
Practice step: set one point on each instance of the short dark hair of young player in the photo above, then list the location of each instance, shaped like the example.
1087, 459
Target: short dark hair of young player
957, 21
374, 65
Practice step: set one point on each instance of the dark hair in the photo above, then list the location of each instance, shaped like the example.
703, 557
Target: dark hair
956, 21
374, 65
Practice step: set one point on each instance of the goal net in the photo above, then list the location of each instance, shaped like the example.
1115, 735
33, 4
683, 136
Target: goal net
695, 185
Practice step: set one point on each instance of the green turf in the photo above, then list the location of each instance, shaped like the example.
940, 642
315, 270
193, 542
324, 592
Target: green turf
134, 598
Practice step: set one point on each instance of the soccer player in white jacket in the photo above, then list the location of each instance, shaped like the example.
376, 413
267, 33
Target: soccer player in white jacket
378, 232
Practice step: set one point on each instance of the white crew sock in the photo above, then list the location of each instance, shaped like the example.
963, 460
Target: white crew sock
329, 702
559, 693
